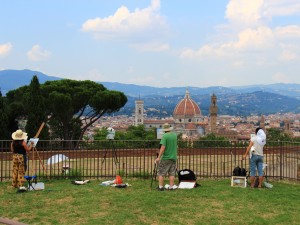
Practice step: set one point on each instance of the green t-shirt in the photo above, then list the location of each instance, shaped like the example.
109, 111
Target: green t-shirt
169, 140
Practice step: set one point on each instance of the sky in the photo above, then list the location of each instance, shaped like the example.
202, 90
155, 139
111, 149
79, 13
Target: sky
159, 43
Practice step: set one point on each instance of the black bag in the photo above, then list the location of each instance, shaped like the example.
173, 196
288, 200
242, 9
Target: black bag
187, 175
243, 172
237, 171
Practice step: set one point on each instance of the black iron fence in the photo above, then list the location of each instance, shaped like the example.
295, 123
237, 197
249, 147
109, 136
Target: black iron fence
105, 159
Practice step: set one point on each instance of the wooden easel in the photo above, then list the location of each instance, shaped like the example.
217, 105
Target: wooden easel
33, 178
35, 150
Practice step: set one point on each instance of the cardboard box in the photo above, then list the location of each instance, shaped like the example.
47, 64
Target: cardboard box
237, 181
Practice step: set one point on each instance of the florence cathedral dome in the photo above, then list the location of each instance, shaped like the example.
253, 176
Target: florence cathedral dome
187, 110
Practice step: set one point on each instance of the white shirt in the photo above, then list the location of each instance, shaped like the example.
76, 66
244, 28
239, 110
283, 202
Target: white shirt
258, 149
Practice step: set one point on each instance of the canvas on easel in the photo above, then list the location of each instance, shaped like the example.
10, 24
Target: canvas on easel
34, 141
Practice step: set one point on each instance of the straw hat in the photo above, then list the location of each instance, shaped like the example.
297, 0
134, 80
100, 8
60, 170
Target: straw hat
167, 127
19, 135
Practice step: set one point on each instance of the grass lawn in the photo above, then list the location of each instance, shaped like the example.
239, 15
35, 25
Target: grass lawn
215, 202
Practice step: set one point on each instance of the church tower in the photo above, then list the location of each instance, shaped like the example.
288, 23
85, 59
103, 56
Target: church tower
213, 109
287, 125
139, 112
262, 123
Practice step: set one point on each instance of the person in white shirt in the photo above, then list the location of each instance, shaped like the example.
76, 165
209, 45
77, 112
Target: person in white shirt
256, 145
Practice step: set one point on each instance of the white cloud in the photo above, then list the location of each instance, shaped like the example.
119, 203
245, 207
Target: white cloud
248, 31
281, 7
5, 49
244, 12
289, 52
124, 23
291, 31
151, 47
36, 53
204, 52
247, 40
258, 12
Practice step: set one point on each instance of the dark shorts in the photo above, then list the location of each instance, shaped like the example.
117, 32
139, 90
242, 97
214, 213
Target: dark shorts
166, 167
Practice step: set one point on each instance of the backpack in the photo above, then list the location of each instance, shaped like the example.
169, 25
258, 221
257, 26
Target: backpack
243, 172
187, 175
236, 171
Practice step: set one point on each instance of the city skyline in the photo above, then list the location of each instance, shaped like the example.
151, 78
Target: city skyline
154, 42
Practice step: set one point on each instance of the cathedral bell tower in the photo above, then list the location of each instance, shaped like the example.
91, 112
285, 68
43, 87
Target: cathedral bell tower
139, 112
213, 109
262, 123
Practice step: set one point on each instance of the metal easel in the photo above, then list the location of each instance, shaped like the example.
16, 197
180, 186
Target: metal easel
114, 155
110, 137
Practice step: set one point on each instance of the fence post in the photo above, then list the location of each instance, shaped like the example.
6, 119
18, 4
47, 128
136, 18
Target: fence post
281, 159
298, 166
298, 172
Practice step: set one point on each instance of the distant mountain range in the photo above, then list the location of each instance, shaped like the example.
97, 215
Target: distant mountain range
239, 100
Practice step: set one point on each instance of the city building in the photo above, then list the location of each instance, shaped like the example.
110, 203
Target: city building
213, 114
139, 112
187, 119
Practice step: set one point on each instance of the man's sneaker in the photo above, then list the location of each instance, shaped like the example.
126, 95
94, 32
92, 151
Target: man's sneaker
174, 187
160, 189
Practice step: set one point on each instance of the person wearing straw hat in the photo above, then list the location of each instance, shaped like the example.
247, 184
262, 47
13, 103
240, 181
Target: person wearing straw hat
256, 146
19, 149
167, 157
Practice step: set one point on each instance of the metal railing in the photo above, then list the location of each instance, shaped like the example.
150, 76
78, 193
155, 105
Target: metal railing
104, 159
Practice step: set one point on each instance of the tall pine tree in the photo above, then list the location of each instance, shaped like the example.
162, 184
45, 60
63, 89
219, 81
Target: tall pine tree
36, 111
4, 131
